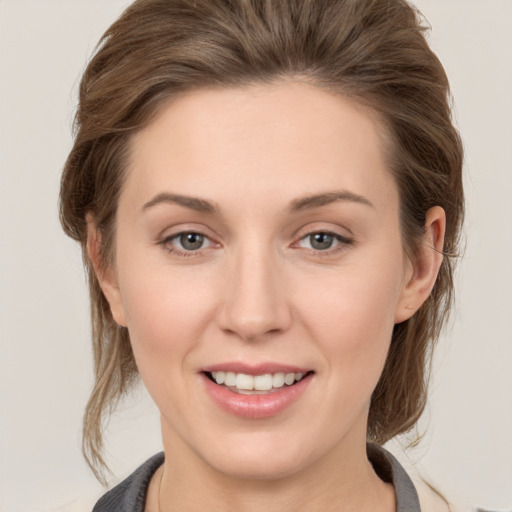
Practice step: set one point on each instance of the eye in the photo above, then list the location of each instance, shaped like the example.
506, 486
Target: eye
186, 242
323, 241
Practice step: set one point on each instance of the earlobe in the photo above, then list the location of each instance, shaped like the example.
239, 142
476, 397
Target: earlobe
106, 275
422, 274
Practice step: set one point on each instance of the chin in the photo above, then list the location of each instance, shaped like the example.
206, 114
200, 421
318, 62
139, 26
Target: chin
258, 467
261, 458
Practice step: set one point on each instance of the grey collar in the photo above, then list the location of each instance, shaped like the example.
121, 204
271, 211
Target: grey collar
130, 494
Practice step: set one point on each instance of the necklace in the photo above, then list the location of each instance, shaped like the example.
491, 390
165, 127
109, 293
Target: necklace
159, 489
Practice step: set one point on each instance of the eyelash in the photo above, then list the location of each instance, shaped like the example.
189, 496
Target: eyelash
343, 243
166, 243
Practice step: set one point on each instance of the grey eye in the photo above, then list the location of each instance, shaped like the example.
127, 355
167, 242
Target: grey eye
321, 241
191, 241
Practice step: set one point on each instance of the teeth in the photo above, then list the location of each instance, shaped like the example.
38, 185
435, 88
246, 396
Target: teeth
278, 380
289, 379
230, 379
265, 382
244, 381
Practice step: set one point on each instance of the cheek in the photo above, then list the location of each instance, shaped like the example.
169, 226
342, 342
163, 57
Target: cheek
166, 308
351, 312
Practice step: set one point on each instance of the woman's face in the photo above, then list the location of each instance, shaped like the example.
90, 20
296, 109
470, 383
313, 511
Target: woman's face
258, 240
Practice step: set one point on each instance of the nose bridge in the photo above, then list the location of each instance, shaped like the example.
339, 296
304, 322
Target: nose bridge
255, 302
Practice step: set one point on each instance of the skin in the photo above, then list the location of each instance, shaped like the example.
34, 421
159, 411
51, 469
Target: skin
258, 290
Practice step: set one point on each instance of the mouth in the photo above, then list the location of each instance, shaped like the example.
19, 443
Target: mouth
263, 384
256, 391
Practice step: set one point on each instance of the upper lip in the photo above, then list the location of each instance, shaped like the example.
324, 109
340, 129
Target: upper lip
254, 369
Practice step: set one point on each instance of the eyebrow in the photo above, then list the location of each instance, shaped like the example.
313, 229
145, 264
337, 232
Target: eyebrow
300, 204
318, 200
194, 203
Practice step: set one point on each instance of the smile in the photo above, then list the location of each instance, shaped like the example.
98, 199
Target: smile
255, 392
255, 384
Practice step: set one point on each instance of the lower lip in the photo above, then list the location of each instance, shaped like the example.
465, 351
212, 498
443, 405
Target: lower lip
256, 406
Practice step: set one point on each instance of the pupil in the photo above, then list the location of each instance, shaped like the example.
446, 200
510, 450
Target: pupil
321, 241
191, 241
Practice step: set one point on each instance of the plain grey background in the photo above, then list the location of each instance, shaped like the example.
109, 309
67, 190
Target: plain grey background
45, 363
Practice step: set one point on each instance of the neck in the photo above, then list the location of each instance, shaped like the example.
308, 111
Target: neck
343, 481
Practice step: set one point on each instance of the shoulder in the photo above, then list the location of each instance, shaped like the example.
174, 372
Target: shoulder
430, 499
390, 470
130, 494
413, 493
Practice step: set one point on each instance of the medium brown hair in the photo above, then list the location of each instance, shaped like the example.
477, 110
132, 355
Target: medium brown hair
371, 51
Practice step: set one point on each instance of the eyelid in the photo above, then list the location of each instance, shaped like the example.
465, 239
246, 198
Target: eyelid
180, 234
337, 236
165, 242
180, 228
343, 242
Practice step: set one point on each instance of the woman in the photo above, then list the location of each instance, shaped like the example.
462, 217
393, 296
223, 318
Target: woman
268, 196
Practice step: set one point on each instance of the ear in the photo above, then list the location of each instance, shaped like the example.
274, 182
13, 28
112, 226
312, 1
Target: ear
106, 276
422, 273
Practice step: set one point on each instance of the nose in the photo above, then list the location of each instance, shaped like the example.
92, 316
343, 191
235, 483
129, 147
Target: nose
255, 302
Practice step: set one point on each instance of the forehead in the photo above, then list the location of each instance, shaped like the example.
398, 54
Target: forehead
284, 138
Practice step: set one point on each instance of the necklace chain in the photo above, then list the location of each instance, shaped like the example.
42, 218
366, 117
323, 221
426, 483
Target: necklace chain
159, 490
